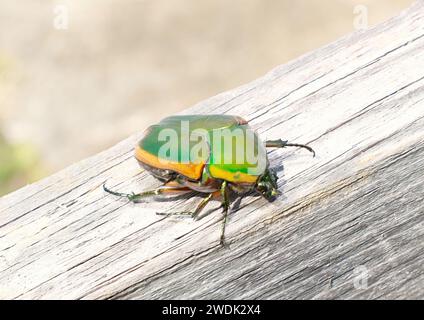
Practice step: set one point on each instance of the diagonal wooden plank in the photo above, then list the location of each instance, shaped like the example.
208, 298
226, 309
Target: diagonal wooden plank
351, 214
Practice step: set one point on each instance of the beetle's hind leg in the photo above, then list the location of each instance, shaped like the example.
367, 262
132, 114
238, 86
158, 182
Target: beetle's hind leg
168, 188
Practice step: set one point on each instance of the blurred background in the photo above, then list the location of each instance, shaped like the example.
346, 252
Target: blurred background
78, 76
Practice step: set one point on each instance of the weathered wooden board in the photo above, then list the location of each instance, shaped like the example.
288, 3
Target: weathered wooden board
350, 223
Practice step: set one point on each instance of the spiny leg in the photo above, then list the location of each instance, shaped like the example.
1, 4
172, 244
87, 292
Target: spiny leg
193, 214
202, 205
225, 205
166, 189
284, 143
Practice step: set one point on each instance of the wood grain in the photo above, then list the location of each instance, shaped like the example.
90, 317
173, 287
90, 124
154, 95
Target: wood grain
349, 224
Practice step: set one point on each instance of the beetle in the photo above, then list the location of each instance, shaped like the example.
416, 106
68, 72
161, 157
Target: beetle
199, 156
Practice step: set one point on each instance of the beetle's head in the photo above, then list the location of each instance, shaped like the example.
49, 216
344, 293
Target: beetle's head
267, 185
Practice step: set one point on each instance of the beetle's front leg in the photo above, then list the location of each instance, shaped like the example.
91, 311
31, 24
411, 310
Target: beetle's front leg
225, 206
284, 143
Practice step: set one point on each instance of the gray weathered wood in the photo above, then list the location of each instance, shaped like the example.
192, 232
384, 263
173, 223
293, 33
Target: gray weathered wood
350, 222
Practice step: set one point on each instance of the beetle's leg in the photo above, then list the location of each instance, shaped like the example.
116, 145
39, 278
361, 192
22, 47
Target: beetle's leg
193, 214
165, 189
201, 206
284, 143
225, 205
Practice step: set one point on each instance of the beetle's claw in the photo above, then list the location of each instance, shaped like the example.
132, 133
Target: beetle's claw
131, 196
223, 243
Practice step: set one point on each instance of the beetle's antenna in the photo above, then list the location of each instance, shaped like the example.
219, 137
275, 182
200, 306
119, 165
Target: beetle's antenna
118, 194
284, 143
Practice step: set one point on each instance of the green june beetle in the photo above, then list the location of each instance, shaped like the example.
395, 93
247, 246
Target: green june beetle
210, 154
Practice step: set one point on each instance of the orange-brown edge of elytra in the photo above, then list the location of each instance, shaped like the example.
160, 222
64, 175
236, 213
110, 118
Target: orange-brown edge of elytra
190, 170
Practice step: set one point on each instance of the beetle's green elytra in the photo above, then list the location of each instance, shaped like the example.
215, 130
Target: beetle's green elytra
210, 154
